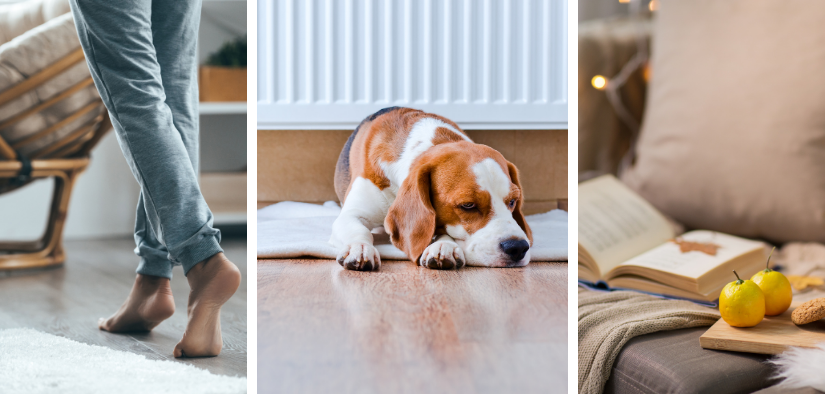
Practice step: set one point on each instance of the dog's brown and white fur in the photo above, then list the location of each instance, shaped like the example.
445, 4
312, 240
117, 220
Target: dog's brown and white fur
444, 200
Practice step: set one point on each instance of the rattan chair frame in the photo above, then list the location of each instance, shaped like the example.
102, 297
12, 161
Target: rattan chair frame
62, 160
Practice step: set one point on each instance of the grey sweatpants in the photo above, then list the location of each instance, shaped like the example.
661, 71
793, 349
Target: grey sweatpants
143, 58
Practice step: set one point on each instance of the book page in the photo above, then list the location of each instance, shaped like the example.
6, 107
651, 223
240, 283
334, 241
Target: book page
616, 224
693, 264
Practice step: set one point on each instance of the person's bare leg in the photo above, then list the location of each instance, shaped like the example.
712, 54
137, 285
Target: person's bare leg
149, 303
212, 283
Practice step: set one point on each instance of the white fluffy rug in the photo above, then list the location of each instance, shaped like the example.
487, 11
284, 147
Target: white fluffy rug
35, 362
293, 229
801, 367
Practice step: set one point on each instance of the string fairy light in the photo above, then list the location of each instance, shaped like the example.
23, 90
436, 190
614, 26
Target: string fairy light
612, 85
599, 82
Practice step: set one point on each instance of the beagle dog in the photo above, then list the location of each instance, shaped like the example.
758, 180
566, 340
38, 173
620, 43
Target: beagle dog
444, 200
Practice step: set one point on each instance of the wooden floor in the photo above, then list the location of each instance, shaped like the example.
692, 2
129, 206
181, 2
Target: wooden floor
407, 329
67, 301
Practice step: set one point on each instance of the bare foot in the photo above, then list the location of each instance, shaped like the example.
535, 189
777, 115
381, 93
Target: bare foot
212, 282
149, 303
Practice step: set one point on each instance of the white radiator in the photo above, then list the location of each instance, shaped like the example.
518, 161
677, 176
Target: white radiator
486, 64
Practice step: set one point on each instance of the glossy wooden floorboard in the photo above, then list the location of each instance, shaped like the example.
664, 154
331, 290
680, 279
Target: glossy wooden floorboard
407, 329
93, 283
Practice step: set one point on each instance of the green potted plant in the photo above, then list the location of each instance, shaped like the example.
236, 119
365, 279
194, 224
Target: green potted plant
223, 76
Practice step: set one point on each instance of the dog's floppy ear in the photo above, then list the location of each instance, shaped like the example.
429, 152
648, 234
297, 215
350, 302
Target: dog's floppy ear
411, 218
517, 214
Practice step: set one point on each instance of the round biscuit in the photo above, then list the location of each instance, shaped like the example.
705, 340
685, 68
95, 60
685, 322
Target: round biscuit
809, 312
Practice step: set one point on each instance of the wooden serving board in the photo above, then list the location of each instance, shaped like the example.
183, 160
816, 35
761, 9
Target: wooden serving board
773, 335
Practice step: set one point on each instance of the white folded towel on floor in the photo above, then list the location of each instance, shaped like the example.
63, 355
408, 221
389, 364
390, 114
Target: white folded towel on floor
294, 229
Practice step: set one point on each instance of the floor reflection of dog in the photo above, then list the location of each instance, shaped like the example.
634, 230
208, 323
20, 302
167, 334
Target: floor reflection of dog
446, 327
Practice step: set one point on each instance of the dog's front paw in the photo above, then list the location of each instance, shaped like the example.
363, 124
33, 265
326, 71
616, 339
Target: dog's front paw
442, 255
359, 257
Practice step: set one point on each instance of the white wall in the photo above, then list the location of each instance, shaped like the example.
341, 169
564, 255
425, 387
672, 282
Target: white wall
484, 64
221, 21
103, 202
105, 198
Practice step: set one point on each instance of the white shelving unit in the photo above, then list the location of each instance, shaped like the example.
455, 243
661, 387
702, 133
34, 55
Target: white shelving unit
223, 124
227, 108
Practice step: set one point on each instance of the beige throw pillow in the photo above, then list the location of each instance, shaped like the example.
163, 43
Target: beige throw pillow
733, 137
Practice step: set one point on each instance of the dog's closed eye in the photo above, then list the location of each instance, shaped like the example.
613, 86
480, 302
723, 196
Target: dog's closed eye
467, 206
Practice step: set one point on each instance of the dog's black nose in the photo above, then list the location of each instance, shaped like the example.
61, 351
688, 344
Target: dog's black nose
515, 248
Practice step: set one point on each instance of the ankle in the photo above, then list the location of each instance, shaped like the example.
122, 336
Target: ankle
215, 265
153, 283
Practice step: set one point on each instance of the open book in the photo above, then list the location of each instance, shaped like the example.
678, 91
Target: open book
625, 243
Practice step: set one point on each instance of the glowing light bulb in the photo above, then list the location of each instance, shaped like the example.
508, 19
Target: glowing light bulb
653, 5
599, 82
624, 1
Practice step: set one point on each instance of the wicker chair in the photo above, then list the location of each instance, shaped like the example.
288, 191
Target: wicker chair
60, 150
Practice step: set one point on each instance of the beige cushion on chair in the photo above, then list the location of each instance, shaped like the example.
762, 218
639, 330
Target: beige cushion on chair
18, 18
29, 53
733, 138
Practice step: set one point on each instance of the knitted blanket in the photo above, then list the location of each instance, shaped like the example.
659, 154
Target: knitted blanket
607, 320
